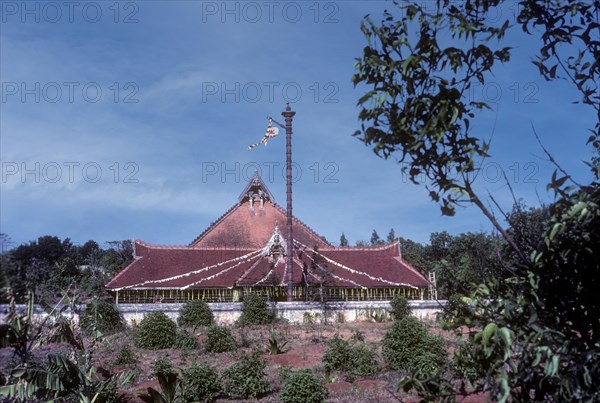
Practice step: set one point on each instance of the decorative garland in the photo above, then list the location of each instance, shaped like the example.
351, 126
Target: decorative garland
217, 274
335, 276
164, 280
356, 271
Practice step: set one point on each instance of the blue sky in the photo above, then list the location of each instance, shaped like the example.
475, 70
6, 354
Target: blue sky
131, 120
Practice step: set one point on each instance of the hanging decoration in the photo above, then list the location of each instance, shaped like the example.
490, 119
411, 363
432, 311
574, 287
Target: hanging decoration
356, 271
271, 132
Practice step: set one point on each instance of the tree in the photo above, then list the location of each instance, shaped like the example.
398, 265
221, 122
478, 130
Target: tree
343, 240
536, 334
375, 240
391, 237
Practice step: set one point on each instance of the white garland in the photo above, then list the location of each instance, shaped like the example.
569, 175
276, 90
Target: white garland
358, 272
335, 276
217, 274
164, 280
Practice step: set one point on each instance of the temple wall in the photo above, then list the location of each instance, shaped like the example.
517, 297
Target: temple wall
294, 312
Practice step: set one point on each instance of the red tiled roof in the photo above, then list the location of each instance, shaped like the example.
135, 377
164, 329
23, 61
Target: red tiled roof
244, 228
228, 254
193, 267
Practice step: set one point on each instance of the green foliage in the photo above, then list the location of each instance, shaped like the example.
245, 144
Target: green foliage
155, 332
400, 307
169, 385
355, 360
195, 313
246, 378
303, 387
408, 346
378, 315
163, 365
103, 315
126, 356
185, 341
255, 311
64, 375
200, 383
343, 240
219, 339
276, 346
536, 333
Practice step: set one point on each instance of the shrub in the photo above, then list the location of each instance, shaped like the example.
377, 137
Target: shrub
155, 332
409, 346
126, 356
255, 311
219, 339
342, 356
246, 378
185, 341
363, 360
163, 365
303, 387
195, 313
200, 384
104, 315
400, 307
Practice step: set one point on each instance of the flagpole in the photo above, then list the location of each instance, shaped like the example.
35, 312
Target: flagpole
288, 114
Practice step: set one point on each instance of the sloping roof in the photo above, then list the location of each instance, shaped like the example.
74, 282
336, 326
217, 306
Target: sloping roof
182, 267
242, 227
230, 253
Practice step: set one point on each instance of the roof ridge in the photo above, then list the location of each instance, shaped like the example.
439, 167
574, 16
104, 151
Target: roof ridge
361, 248
187, 247
214, 224
313, 232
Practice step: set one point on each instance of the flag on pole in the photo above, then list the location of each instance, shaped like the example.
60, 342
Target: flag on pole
271, 132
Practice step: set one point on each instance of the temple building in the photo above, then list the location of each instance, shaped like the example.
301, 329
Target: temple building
245, 251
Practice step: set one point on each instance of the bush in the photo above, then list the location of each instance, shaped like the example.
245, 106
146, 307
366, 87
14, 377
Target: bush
409, 346
219, 340
195, 313
185, 341
255, 311
155, 332
126, 356
400, 307
104, 315
163, 366
303, 387
356, 360
363, 360
200, 384
246, 378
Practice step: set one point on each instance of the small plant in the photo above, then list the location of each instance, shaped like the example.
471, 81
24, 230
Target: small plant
400, 307
358, 336
364, 361
378, 315
255, 311
103, 315
185, 341
126, 356
308, 318
355, 360
155, 332
246, 378
409, 346
195, 313
303, 387
275, 345
163, 365
219, 340
200, 383
169, 385
340, 317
